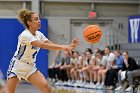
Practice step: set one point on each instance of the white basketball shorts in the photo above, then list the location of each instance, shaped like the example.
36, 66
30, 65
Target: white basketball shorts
20, 69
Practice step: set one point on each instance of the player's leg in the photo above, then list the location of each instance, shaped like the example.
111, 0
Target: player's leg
38, 80
12, 83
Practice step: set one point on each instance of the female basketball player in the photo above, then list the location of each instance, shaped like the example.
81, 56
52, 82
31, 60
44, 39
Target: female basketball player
22, 65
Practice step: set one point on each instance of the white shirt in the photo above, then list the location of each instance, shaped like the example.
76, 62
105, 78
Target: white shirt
102, 62
76, 60
25, 51
111, 57
90, 61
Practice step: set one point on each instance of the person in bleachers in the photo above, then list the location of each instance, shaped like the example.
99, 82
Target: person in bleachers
111, 75
102, 72
129, 70
86, 70
64, 71
76, 64
90, 82
95, 65
53, 70
95, 68
82, 65
74, 60
98, 68
67, 65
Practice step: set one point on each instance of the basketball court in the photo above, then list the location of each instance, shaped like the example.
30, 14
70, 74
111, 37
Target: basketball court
27, 88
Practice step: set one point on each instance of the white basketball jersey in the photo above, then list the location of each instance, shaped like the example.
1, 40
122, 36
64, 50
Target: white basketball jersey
25, 51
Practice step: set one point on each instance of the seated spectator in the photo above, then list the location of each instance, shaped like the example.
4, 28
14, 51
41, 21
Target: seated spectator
102, 72
129, 70
90, 70
87, 69
53, 69
65, 67
111, 74
99, 68
83, 64
78, 67
95, 64
74, 62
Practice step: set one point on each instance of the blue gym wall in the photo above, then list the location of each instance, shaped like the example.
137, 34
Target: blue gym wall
9, 31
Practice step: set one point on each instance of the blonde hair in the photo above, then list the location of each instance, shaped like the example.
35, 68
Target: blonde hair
24, 16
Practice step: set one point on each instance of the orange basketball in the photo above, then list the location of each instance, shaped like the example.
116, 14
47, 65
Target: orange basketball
92, 34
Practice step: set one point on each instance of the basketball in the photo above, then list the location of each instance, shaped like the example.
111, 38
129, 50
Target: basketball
92, 34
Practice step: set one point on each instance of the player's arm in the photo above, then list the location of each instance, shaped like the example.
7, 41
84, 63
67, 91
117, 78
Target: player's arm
50, 45
48, 41
73, 43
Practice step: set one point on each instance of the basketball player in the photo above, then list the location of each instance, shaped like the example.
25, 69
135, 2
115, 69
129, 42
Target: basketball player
22, 64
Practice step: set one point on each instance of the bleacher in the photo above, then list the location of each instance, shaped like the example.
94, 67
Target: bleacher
133, 50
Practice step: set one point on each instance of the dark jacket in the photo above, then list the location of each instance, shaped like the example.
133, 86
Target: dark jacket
132, 65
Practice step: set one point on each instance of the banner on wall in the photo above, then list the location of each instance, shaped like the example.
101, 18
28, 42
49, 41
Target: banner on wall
134, 29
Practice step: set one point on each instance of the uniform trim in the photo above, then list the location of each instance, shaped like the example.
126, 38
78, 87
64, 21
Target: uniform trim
11, 73
23, 52
12, 63
20, 52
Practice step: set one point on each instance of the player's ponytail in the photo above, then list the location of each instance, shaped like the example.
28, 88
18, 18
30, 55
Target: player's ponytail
24, 16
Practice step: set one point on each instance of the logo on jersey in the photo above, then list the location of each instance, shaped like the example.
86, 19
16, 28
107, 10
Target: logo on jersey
134, 29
